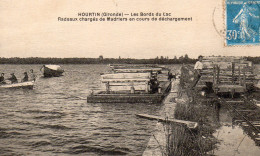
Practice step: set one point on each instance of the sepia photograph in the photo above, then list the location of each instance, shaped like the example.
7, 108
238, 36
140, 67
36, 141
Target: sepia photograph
132, 77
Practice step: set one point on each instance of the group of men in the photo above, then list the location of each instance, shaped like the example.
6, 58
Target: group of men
13, 78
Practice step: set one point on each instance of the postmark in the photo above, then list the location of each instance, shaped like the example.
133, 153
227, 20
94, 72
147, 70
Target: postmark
242, 22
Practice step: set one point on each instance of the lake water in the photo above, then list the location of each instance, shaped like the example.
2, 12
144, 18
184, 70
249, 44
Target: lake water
55, 119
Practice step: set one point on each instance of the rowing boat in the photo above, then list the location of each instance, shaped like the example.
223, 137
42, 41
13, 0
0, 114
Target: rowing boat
23, 85
52, 70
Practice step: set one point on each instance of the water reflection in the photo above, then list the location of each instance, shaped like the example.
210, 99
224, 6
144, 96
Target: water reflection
233, 139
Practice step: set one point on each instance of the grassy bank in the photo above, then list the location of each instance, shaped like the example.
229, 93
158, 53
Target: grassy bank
182, 141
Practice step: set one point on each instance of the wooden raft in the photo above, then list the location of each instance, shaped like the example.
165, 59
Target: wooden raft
132, 85
137, 97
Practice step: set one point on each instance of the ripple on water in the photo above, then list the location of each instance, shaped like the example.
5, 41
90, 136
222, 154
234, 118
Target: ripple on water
12, 134
55, 119
39, 143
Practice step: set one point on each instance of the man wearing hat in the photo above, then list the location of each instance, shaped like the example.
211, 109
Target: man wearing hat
13, 78
198, 69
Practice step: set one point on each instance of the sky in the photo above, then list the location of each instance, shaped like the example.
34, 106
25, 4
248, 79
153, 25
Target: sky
30, 28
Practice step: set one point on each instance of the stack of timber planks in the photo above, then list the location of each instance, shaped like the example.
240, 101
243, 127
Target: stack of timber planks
125, 82
228, 72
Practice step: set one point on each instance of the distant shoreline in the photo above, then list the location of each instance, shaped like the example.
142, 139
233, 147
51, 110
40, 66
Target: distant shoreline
101, 60
38, 60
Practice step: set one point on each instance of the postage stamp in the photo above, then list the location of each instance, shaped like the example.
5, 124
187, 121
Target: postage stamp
242, 22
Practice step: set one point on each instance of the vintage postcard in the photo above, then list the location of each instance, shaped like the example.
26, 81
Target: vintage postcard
130, 77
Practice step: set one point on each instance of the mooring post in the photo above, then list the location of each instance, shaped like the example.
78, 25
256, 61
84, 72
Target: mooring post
218, 71
214, 75
132, 90
147, 87
159, 90
244, 74
107, 87
233, 70
239, 76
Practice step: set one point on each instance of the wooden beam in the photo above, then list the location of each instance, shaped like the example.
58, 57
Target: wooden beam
189, 124
124, 80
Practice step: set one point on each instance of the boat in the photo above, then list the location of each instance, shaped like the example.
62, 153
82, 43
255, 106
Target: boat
52, 70
23, 85
131, 86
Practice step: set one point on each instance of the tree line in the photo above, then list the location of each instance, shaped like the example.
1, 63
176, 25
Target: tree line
101, 60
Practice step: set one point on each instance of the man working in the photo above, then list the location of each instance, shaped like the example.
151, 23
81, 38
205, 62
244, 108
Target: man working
2, 78
197, 73
26, 78
13, 78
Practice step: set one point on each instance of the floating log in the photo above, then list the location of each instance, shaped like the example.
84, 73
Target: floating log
189, 124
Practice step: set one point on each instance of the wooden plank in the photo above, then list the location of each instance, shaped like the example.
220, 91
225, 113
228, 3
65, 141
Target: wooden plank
189, 124
118, 88
138, 70
230, 86
124, 80
124, 83
132, 65
126, 76
126, 87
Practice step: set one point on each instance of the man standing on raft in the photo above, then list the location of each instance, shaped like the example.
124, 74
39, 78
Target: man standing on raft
197, 73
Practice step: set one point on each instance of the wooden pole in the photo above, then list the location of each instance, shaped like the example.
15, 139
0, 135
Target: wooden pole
244, 74
233, 70
239, 77
214, 75
218, 71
